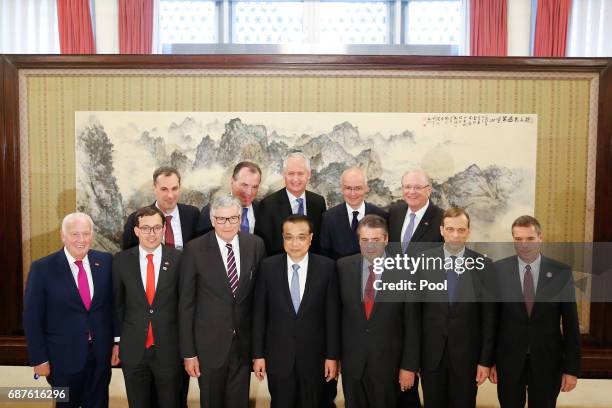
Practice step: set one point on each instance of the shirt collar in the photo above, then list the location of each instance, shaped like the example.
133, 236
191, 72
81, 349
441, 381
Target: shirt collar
303, 263
292, 198
72, 260
222, 243
419, 214
156, 252
174, 212
459, 254
535, 265
361, 208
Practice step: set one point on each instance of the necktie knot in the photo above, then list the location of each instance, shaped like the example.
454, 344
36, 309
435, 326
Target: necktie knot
169, 234
79, 264
295, 267
228, 246
168, 218
527, 268
300, 202
244, 221
150, 257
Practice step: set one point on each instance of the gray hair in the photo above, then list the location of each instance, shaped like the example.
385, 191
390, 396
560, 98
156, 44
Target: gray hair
224, 202
72, 217
296, 155
416, 170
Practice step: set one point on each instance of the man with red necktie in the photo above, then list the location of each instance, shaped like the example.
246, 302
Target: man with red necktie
148, 349
68, 316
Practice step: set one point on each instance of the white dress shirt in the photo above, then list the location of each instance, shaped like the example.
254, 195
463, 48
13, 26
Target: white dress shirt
176, 226
458, 255
294, 204
417, 219
350, 210
302, 273
75, 271
535, 271
225, 252
157, 255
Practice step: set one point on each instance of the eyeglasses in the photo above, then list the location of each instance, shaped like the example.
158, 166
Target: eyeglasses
299, 238
357, 189
232, 220
147, 229
415, 188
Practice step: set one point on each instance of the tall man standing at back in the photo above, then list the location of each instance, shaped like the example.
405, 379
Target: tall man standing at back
244, 185
536, 357
217, 278
293, 199
68, 316
339, 225
181, 219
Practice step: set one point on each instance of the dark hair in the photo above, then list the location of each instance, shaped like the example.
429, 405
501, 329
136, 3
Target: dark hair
295, 218
254, 168
373, 221
527, 221
455, 212
166, 171
147, 212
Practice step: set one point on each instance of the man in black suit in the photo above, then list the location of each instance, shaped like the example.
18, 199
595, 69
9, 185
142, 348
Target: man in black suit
218, 272
244, 185
415, 222
293, 199
378, 349
145, 281
534, 356
181, 219
457, 325
296, 320
339, 224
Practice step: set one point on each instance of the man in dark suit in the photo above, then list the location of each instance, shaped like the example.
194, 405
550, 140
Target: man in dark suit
218, 272
145, 281
181, 219
296, 320
68, 316
415, 222
244, 185
339, 224
534, 359
378, 349
457, 325
293, 199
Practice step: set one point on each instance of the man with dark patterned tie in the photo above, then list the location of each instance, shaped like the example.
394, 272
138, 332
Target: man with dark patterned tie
217, 277
538, 337
244, 185
68, 316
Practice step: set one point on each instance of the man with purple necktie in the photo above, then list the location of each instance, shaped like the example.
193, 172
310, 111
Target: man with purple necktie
68, 318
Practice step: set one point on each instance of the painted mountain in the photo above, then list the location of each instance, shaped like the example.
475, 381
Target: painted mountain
116, 155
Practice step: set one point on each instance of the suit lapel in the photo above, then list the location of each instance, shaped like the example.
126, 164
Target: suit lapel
245, 268
96, 278
134, 274
309, 283
164, 269
285, 205
284, 282
423, 224
185, 224
67, 278
516, 290
217, 265
397, 226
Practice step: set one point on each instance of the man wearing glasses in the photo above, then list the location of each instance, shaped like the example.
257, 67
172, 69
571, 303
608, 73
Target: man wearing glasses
339, 224
217, 276
145, 285
296, 327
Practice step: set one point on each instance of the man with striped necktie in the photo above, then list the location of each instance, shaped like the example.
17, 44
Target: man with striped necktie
217, 276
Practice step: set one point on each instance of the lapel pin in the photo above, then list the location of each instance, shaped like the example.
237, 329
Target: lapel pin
426, 223
164, 268
96, 264
549, 274
166, 263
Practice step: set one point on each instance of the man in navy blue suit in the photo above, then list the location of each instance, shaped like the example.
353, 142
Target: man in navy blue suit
68, 318
339, 224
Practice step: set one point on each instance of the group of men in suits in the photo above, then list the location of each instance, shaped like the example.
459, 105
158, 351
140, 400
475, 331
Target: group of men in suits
286, 289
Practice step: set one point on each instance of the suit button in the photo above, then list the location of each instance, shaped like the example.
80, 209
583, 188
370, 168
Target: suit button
151, 311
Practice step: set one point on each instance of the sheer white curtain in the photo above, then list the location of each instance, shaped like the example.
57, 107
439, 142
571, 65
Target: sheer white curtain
590, 29
28, 27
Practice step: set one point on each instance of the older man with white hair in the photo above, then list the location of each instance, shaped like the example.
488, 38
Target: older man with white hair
68, 316
292, 199
216, 283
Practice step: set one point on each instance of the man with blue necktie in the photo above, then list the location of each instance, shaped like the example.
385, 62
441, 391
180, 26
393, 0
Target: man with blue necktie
68, 316
293, 199
244, 185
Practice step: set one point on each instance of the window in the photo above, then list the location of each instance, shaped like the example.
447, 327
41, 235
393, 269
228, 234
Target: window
376, 26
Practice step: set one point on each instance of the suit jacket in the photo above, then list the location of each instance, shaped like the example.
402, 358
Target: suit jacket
134, 312
384, 343
337, 237
209, 316
306, 338
204, 224
465, 328
55, 320
427, 232
275, 208
551, 351
189, 226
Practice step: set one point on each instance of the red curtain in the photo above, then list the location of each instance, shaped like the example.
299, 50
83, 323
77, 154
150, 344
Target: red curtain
135, 26
552, 19
488, 28
74, 24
